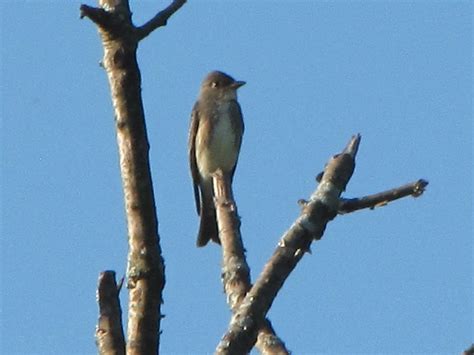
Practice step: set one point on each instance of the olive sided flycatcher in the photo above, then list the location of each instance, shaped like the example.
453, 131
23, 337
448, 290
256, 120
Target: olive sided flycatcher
215, 137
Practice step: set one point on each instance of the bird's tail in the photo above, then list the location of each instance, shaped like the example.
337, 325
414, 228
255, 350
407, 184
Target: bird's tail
207, 229
208, 225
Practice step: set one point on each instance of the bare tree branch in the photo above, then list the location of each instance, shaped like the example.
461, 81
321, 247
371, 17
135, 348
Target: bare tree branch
323, 206
317, 212
380, 199
109, 331
160, 19
145, 270
235, 270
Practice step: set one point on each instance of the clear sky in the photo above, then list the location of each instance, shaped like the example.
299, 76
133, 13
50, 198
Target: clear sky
397, 279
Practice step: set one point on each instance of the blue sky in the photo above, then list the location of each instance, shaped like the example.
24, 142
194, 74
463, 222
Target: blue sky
394, 280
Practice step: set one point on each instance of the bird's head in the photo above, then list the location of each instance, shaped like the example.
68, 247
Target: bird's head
220, 85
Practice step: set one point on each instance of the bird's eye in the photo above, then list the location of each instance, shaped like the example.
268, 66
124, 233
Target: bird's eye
214, 84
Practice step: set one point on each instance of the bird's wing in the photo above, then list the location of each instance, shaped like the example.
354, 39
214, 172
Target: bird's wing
192, 155
238, 125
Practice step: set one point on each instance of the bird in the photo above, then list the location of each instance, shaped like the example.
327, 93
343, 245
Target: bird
215, 138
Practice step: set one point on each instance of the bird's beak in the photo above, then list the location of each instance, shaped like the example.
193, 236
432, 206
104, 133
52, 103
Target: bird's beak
237, 84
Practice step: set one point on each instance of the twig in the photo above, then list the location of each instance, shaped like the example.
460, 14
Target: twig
160, 19
380, 199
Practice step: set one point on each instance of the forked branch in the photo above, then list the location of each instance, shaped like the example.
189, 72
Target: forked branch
317, 212
323, 206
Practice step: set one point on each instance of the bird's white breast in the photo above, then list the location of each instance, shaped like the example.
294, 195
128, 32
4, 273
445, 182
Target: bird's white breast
221, 150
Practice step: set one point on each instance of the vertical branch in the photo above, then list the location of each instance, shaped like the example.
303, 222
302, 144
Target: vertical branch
235, 270
145, 269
